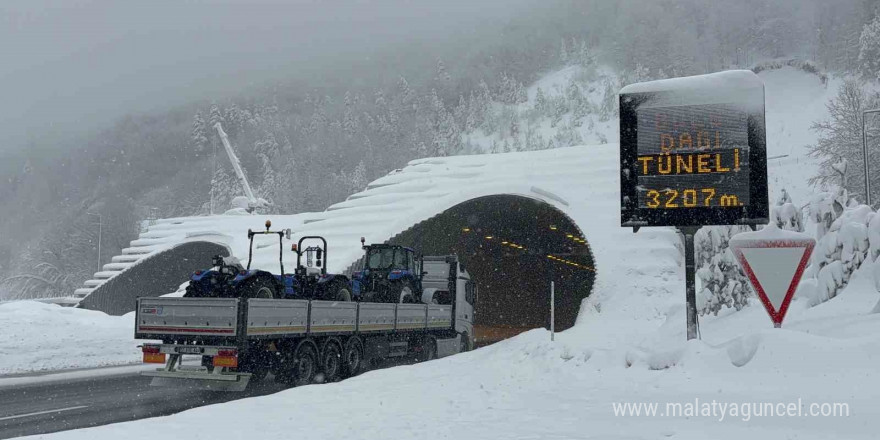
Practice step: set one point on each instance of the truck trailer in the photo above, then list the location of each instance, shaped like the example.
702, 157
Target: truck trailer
243, 339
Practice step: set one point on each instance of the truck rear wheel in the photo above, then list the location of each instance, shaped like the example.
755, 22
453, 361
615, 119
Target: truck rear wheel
256, 363
352, 357
305, 364
331, 361
429, 350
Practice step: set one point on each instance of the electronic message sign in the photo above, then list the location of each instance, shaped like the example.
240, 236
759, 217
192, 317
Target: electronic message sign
693, 151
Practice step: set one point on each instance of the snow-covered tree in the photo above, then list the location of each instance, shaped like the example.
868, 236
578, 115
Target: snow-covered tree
199, 134
786, 214
608, 109
840, 138
723, 282
541, 102
563, 52
442, 75
869, 49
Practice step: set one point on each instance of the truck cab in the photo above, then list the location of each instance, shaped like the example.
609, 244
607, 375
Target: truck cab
445, 280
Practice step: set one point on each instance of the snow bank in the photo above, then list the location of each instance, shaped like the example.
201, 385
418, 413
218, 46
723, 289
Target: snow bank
528, 387
40, 337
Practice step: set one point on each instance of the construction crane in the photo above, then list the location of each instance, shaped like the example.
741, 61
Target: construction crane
253, 202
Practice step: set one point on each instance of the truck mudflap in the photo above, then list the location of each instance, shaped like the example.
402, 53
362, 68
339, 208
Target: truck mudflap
218, 377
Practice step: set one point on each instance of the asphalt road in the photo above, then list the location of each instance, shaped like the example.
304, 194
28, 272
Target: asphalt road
42, 408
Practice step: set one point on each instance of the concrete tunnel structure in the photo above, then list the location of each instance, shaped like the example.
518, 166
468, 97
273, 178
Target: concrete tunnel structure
516, 220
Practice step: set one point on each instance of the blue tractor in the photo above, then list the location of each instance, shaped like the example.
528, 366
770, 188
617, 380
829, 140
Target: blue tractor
228, 279
390, 274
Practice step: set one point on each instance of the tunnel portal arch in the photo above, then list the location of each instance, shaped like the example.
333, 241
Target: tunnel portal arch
153, 276
512, 246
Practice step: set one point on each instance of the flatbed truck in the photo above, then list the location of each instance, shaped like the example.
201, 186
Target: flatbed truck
242, 340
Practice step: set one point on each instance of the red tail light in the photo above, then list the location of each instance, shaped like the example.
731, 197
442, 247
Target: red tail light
152, 354
226, 358
198, 272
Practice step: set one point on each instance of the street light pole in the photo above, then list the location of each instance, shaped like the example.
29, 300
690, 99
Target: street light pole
865, 153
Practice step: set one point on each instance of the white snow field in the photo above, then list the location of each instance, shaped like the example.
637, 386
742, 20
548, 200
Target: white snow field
37, 337
530, 388
628, 346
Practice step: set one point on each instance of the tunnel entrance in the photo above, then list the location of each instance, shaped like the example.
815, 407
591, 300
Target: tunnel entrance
512, 246
156, 275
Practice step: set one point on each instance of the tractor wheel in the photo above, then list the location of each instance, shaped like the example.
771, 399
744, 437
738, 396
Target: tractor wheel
405, 292
193, 291
339, 291
190, 291
259, 288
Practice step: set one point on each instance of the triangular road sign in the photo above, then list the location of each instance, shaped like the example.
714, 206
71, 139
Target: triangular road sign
774, 261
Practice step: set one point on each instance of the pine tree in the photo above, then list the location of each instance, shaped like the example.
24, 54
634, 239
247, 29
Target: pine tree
224, 187
266, 151
559, 110
461, 110
215, 115
585, 56
563, 53
199, 134
471, 121
407, 97
869, 49
521, 94
442, 75
540, 102
349, 122
359, 178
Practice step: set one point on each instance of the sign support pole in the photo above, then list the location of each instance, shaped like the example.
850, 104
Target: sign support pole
552, 311
690, 275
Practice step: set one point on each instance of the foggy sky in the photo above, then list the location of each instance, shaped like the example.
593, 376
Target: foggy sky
71, 65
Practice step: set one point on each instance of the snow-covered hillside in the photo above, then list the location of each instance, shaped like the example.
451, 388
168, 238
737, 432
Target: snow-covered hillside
628, 346
577, 106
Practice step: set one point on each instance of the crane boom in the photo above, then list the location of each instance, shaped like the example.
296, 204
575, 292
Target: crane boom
236, 165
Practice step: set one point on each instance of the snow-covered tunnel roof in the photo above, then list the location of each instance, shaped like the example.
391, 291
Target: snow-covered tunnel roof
581, 182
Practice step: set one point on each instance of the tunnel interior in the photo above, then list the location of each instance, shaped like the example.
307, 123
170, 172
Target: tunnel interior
512, 246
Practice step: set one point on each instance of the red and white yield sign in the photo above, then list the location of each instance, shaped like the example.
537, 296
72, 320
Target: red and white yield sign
774, 260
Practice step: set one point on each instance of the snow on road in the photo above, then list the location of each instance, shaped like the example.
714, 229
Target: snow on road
38, 337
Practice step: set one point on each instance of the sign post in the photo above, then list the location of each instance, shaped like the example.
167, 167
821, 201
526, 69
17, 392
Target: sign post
552, 311
774, 261
693, 153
